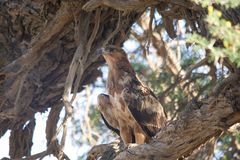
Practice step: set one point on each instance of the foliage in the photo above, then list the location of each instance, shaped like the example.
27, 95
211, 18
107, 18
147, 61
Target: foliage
221, 30
226, 3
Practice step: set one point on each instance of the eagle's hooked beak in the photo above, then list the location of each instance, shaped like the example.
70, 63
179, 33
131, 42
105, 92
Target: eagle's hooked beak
99, 51
103, 51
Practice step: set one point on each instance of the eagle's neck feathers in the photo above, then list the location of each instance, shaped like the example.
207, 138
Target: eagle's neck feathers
120, 77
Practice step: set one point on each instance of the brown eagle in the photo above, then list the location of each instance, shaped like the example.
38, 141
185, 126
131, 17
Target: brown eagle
131, 109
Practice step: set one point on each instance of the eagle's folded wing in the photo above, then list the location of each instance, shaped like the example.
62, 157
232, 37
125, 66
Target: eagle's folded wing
107, 113
109, 126
145, 108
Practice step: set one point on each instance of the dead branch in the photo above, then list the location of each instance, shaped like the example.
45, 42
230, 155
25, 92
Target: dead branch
21, 140
137, 5
107, 151
76, 68
120, 4
206, 151
95, 30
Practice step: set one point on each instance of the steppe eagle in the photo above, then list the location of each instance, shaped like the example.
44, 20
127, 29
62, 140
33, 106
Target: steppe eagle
131, 109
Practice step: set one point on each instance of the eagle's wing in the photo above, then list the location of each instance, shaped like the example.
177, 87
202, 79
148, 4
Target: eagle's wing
107, 113
145, 108
109, 126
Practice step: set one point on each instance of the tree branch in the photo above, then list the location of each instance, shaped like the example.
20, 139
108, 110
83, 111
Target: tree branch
136, 5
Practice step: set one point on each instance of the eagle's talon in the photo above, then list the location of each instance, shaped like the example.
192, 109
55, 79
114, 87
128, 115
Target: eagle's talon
130, 145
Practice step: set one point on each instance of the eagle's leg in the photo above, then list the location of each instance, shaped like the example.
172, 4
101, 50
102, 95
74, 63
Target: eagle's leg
140, 137
126, 134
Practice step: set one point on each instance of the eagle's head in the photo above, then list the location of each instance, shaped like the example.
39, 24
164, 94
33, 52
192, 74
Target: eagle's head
117, 60
113, 55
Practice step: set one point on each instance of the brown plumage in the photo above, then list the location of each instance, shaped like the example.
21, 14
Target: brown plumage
131, 108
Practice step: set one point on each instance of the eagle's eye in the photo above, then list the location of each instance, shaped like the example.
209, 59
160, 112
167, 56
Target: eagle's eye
109, 49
